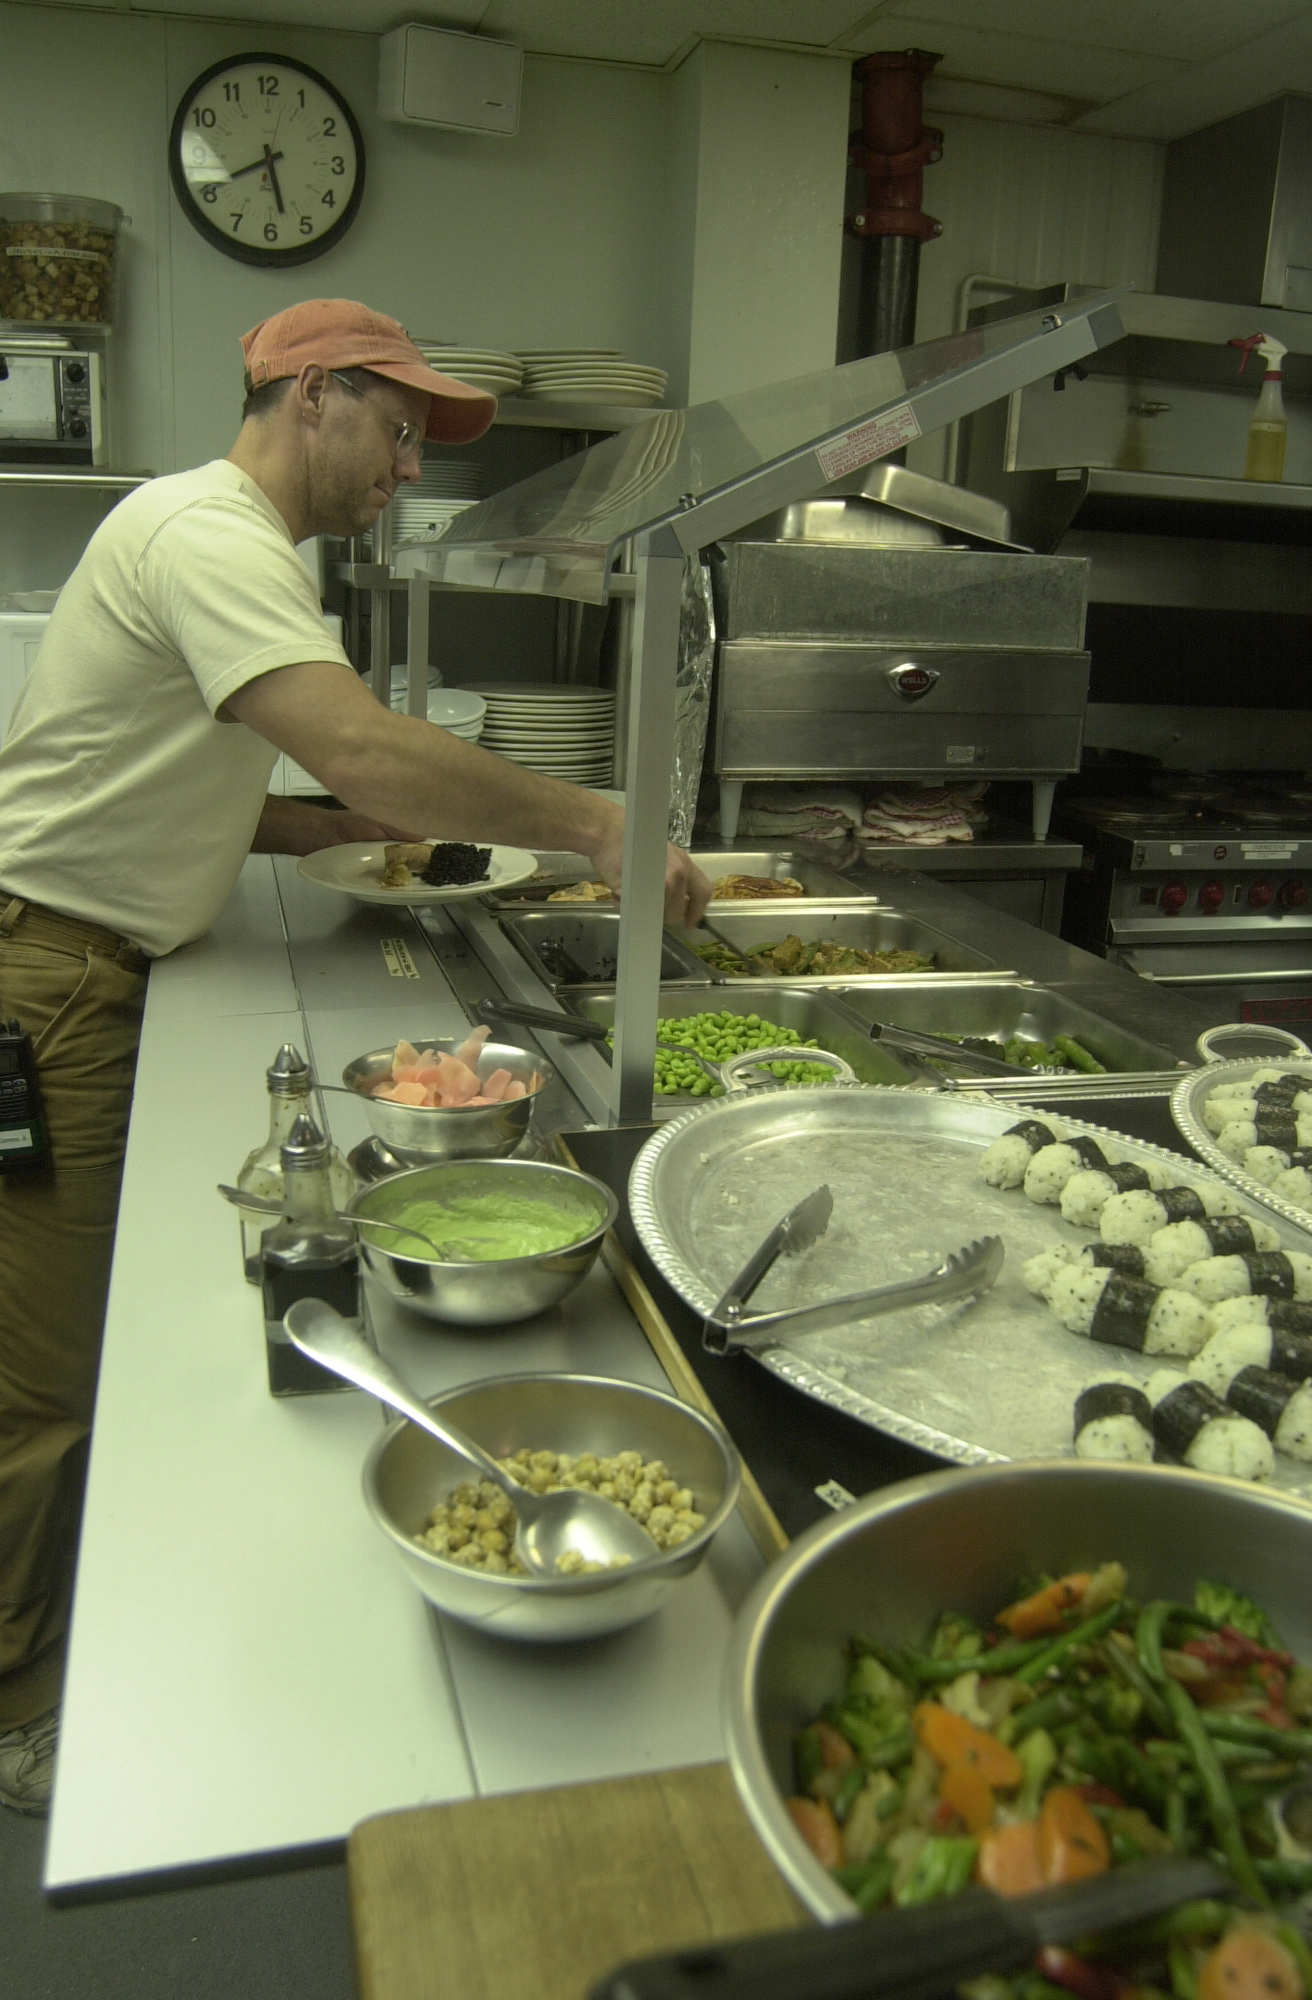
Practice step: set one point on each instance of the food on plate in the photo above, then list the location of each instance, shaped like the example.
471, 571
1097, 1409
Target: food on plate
583, 892
747, 888
1276, 1404
1180, 1244
1259, 1333
719, 1036
1278, 1274
1073, 1732
441, 864
1114, 1420
1285, 1125
1192, 1424
1137, 1216
429, 1081
1038, 1272
818, 959
1121, 1311
1004, 1163
1087, 1193
485, 1228
1052, 1166
475, 1524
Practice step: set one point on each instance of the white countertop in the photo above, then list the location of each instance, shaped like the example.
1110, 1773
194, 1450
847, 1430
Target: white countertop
250, 1669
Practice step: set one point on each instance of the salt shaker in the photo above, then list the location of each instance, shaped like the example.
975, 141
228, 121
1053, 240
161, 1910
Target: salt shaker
290, 1082
311, 1254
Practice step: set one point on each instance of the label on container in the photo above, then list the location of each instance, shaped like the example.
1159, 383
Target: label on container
1266, 850
867, 442
41, 253
397, 959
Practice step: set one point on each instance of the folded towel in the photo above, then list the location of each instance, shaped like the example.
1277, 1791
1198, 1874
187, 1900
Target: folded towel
923, 815
824, 812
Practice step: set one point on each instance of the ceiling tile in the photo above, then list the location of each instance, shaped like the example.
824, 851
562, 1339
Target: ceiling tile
373, 17
1187, 30
1277, 61
655, 30
1093, 75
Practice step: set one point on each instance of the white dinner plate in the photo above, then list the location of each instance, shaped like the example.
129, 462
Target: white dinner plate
628, 399
356, 869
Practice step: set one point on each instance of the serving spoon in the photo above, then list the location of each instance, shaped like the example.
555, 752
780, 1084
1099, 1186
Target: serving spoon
265, 1205
549, 1525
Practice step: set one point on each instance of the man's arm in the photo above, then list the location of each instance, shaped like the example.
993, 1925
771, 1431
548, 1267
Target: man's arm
290, 826
401, 770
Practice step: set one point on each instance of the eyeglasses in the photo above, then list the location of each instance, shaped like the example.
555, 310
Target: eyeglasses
405, 436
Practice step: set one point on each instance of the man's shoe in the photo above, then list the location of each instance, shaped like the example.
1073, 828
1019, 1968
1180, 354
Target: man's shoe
27, 1765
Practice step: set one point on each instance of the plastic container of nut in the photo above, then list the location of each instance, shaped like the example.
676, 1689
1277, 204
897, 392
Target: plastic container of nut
58, 260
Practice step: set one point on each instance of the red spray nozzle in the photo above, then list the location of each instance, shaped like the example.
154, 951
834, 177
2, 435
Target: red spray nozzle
1271, 350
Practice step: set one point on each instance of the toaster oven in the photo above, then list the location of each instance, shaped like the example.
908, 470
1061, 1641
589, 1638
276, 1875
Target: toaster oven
52, 403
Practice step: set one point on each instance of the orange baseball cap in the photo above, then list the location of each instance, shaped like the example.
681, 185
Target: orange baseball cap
341, 333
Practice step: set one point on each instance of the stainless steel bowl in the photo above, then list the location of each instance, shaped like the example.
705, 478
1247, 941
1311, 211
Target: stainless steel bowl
961, 1541
407, 1473
483, 1132
493, 1292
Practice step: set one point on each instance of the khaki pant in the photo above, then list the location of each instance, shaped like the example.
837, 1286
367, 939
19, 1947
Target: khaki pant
79, 992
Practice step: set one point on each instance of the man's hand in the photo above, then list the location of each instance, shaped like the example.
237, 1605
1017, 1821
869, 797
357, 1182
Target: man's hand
290, 826
687, 891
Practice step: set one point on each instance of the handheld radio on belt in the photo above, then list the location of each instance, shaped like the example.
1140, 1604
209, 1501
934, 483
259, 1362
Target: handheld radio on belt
24, 1141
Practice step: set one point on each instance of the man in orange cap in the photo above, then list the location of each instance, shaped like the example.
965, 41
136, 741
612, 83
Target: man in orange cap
186, 651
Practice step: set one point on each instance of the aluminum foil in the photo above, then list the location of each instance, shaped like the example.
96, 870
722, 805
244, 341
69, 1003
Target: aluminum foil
692, 696
988, 1379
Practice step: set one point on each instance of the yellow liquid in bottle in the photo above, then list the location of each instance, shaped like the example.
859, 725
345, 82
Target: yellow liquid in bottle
1266, 452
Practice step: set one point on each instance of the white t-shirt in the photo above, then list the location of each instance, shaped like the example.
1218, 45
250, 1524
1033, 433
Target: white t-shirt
123, 800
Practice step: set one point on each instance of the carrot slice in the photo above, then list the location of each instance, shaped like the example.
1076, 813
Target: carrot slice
952, 1740
1033, 1616
814, 1820
835, 1750
1072, 1843
1008, 1860
965, 1788
1249, 1964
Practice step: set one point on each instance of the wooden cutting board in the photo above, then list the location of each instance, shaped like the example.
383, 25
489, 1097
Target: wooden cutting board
541, 1893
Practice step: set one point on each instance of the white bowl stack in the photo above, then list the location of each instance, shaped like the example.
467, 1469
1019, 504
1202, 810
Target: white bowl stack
589, 375
482, 367
423, 512
453, 709
564, 732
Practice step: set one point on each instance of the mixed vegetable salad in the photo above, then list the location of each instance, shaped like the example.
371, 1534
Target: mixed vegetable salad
1078, 1730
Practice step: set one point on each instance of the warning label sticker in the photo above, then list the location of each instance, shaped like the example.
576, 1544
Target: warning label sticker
867, 442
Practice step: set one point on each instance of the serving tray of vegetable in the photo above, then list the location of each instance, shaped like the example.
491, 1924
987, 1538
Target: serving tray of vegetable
1145, 1308
1251, 1122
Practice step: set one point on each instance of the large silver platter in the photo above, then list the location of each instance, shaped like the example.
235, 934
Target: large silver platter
993, 1379
1187, 1101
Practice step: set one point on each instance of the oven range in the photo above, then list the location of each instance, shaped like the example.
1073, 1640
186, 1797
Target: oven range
1213, 896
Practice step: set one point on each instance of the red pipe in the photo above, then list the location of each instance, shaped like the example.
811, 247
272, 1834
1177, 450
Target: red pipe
895, 145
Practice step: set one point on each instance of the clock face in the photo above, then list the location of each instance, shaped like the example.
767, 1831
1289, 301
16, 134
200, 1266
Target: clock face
267, 160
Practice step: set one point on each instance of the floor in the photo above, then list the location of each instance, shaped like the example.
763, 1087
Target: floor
273, 1937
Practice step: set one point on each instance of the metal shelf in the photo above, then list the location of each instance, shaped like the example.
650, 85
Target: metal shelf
120, 482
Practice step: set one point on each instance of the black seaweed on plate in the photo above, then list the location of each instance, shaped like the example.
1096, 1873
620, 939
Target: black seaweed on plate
1182, 1204
1181, 1414
1126, 1257
1120, 1318
1129, 1179
1261, 1395
1229, 1235
1112, 1399
1270, 1273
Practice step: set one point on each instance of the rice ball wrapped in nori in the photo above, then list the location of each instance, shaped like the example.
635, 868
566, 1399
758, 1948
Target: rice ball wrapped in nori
1051, 1168
1038, 1272
1113, 1420
1244, 1345
1087, 1193
1194, 1426
1126, 1257
1281, 1408
1004, 1162
1218, 1111
1182, 1244
1285, 1326
1136, 1217
1279, 1274
1264, 1163
1122, 1311
1271, 1127
1294, 1184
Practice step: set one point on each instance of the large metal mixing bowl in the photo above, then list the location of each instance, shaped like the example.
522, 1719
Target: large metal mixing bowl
962, 1541
491, 1292
407, 1472
478, 1132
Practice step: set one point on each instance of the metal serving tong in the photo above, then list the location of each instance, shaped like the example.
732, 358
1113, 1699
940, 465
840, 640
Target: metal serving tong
920, 1951
728, 1326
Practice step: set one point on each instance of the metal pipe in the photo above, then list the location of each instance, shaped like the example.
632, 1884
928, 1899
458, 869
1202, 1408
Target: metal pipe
893, 149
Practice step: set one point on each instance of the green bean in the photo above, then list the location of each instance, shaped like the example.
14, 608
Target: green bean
1001, 1660
1261, 1735
1177, 1819
1292, 1877
1221, 1808
1062, 1705
1127, 1666
1201, 1919
1148, 1637
1081, 1635
870, 1883
1180, 1961
1296, 1945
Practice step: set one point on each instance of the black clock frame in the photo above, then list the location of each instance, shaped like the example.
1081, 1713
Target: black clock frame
254, 253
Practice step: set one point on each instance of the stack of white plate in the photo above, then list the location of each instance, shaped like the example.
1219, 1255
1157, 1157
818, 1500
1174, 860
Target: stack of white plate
482, 367
452, 709
566, 732
589, 375
444, 489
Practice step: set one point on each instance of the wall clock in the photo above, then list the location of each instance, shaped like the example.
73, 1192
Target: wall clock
267, 160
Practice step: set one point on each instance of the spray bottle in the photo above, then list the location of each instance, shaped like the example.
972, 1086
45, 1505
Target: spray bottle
1268, 429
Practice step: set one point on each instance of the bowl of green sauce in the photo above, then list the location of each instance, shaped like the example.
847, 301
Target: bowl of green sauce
512, 1237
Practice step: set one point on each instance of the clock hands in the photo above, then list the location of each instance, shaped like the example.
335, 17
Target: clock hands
272, 172
258, 166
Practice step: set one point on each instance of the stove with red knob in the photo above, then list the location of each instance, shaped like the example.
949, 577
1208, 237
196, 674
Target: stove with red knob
1292, 895
1173, 897
1211, 896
